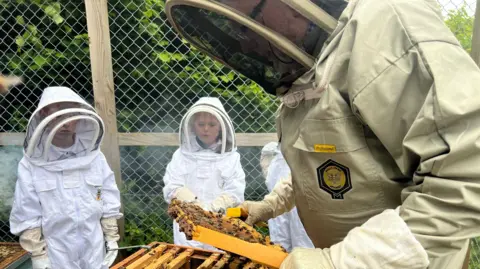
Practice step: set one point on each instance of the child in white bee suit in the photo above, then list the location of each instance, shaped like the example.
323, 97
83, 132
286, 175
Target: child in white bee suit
66, 201
286, 229
206, 169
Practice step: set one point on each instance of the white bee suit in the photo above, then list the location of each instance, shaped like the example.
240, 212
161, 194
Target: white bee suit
286, 229
212, 176
69, 194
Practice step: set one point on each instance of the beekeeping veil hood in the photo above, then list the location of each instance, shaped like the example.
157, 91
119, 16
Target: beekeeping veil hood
62, 116
269, 151
272, 42
218, 123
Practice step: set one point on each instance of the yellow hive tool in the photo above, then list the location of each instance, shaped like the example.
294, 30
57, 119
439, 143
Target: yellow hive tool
227, 233
238, 212
258, 253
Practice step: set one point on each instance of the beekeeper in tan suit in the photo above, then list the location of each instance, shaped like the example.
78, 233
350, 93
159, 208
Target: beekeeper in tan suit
379, 123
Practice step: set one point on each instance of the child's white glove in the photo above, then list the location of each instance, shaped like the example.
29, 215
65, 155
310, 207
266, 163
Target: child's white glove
41, 262
111, 254
221, 203
110, 231
33, 242
184, 194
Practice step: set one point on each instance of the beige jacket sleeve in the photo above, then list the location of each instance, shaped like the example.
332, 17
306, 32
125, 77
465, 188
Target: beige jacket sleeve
280, 200
426, 94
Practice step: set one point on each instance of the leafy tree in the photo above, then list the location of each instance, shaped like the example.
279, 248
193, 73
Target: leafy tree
461, 24
157, 77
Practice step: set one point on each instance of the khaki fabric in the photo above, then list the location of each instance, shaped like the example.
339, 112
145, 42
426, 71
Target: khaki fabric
280, 200
397, 123
384, 241
467, 257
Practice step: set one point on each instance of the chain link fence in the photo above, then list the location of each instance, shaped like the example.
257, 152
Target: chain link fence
157, 78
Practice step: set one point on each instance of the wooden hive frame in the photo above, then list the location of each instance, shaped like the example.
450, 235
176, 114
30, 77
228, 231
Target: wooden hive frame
226, 233
170, 256
18, 253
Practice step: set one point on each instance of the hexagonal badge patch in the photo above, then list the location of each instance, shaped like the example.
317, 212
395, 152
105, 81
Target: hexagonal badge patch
334, 178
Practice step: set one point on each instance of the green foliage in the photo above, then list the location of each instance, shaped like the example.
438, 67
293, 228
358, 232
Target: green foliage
46, 42
262, 230
157, 77
171, 75
461, 24
474, 254
43, 40
157, 74
146, 218
143, 229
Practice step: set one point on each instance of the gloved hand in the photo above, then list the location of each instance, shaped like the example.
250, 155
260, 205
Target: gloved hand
110, 231
111, 255
384, 241
279, 201
33, 242
221, 203
41, 262
184, 194
258, 211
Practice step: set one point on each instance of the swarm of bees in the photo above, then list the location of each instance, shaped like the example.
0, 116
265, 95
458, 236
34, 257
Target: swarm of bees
189, 215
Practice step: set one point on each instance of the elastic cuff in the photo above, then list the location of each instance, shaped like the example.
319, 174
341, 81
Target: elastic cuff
32, 241
110, 229
38, 257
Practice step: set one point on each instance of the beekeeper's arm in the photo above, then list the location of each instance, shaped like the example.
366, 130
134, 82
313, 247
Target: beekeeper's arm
233, 189
26, 217
280, 198
440, 148
110, 196
423, 106
174, 180
277, 202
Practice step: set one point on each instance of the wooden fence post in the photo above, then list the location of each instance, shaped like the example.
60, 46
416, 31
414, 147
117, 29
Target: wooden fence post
103, 87
475, 52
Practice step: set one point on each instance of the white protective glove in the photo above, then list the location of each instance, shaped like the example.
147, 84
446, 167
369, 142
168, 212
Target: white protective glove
184, 194
110, 232
279, 201
111, 254
41, 262
32, 241
384, 241
221, 203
